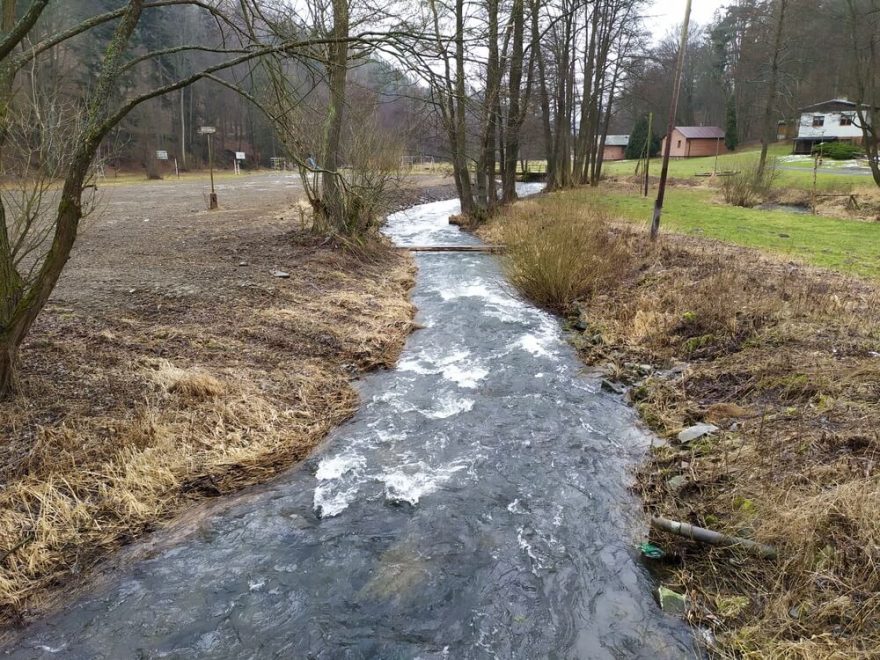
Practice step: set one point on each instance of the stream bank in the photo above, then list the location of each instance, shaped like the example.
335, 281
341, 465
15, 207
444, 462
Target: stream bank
476, 506
763, 375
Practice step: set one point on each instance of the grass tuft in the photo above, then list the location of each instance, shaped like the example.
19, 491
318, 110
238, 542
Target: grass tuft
556, 263
190, 383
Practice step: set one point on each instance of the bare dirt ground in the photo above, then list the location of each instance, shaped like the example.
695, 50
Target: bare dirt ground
172, 365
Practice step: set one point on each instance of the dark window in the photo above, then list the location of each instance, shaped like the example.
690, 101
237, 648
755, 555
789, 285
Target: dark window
846, 120
818, 120
679, 143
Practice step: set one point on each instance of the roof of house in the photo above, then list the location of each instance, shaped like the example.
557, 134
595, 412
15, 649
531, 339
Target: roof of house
830, 105
701, 132
616, 140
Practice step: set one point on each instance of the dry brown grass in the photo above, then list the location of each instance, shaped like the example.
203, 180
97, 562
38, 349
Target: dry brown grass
557, 263
133, 412
786, 360
748, 185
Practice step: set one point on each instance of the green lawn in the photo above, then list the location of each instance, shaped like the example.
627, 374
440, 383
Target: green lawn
802, 178
845, 245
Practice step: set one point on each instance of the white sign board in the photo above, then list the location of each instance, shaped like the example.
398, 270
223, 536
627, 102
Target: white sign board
162, 155
206, 130
239, 155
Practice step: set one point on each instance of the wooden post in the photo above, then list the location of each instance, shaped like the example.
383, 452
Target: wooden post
212, 200
815, 177
717, 149
648, 150
673, 109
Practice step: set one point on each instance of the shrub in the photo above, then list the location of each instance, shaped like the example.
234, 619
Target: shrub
559, 252
638, 138
731, 132
747, 186
838, 150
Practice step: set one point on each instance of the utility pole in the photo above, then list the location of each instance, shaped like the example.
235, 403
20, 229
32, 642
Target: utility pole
673, 109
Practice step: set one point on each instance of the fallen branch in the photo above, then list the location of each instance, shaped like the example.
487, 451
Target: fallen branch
711, 537
453, 248
27, 539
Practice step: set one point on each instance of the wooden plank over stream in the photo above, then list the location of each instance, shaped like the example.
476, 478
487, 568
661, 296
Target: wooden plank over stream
454, 248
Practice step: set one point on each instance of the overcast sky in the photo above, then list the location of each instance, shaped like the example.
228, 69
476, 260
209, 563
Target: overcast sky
666, 15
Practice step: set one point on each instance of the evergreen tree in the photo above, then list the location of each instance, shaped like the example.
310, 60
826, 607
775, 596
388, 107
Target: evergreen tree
636, 147
731, 135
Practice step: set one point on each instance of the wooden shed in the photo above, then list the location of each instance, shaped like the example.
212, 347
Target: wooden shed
695, 141
615, 147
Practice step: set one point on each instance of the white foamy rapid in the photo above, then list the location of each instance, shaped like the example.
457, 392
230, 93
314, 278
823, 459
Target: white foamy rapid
457, 367
338, 478
427, 224
544, 341
409, 483
447, 406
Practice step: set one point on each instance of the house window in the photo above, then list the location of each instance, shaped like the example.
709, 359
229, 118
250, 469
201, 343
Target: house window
846, 120
679, 143
818, 120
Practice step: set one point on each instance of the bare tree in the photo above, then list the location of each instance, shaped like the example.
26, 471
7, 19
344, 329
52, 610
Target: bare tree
863, 22
769, 125
24, 294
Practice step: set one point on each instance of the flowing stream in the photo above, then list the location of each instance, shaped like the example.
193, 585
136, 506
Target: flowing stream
477, 506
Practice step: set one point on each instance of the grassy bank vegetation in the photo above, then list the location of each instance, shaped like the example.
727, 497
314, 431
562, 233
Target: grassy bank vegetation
797, 174
133, 408
850, 246
783, 358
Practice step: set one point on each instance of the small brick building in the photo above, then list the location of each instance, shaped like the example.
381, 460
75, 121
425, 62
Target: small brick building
695, 141
615, 147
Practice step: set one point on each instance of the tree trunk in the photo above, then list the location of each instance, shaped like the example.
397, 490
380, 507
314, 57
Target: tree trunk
33, 299
7, 368
10, 280
864, 22
485, 172
182, 130
588, 100
546, 123
768, 126
22, 302
673, 110
332, 199
466, 195
514, 112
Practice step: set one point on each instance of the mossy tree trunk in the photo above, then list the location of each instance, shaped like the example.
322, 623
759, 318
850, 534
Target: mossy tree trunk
20, 301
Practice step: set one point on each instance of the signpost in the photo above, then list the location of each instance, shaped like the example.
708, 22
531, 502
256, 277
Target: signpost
209, 131
239, 156
161, 155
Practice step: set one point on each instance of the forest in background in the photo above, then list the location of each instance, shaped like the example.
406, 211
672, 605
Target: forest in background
726, 70
171, 122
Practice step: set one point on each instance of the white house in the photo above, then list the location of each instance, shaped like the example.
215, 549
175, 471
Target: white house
830, 121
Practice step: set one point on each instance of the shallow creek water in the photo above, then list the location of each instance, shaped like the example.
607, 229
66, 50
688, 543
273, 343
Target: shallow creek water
475, 507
